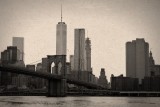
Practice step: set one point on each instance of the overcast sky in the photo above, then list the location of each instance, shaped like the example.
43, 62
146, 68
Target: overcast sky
109, 23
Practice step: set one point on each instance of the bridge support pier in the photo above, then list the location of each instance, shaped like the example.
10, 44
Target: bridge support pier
57, 88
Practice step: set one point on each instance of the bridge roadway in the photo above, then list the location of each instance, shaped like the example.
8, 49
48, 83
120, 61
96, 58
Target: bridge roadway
48, 76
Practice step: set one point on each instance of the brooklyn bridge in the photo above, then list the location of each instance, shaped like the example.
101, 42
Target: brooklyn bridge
57, 83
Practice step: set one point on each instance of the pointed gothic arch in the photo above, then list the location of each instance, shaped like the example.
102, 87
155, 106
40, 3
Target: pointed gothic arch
59, 64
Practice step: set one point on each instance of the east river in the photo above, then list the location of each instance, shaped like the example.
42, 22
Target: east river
42, 101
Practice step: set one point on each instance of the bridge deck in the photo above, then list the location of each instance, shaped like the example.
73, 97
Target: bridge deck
48, 76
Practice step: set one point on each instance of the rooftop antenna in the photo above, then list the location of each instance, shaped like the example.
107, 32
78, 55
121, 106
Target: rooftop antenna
61, 12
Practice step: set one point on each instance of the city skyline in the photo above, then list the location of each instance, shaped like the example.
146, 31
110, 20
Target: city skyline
108, 30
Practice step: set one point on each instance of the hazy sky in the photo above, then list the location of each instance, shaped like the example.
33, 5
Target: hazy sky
110, 24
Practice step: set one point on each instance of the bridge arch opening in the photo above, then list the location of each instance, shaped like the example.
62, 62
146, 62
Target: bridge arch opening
53, 68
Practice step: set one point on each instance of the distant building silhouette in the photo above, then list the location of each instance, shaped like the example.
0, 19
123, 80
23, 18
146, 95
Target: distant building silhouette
19, 43
88, 54
151, 83
137, 59
31, 67
61, 38
102, 78
19, 80
151, 64
8, 57
121, 83
72, 62
79, 50
154, 69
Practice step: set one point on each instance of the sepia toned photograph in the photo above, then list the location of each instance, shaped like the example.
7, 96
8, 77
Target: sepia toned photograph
79, 53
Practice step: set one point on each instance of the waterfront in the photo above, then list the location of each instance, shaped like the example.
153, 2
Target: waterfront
42, 101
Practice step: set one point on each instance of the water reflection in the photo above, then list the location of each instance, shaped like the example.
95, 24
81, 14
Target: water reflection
39, 101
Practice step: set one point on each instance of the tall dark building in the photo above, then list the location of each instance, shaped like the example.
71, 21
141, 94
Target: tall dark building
79, 50
72, 62
151, 64
102, 78
61, 37
19, 43
137, 59
8, 56
88, 54
12, 54
4, 75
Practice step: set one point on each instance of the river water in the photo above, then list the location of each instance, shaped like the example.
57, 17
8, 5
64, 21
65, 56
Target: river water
41, 101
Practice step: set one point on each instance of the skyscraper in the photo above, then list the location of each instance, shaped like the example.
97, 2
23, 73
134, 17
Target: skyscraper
61, 37
9, 56
88, 54
151, 64
137, 59
79, 50
72, 62
19, 43
102, 78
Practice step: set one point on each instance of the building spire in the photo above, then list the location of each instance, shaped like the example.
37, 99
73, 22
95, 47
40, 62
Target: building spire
61, 12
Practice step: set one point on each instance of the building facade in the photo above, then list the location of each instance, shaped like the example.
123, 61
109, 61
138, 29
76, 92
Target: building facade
151, 83
121, 83
88, 54
72, 62
8, 57
61, 38
79, 50
102, 78
19, 43
137, 59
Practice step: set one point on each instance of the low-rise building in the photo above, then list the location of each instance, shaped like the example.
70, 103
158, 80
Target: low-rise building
151, 83
121, 83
